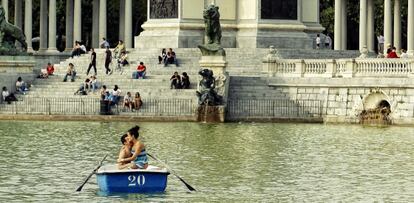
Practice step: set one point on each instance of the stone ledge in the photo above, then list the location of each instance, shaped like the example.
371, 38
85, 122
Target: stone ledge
96, 118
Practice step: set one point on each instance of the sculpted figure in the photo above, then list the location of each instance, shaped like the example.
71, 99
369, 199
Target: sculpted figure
212, 46
9, 34
211, 17
207, 93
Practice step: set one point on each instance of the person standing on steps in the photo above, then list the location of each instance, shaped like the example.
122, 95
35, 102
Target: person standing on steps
318, 41
93, 62
108, 60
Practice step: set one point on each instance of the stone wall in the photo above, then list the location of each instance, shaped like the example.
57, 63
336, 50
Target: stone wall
341, 104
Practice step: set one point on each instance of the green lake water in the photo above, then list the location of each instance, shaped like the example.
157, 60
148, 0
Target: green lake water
236, 162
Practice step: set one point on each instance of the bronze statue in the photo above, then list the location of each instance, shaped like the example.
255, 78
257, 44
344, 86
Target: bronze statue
207, 94
212, 46
8, 35
212, 20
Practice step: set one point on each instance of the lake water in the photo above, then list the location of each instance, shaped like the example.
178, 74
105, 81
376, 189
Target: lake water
250, 162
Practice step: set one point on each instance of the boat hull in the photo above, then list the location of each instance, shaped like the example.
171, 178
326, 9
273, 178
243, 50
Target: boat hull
132, 181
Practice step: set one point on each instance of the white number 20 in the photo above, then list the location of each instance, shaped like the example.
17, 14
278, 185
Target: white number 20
133, 180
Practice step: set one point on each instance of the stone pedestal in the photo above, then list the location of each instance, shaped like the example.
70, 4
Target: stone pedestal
12, 67
222, 80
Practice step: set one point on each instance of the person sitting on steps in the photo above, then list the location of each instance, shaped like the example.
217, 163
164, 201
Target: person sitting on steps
70, 72
171, 58
21, 86
50, 69
128, 101
185, 81
137, 101
119, 49
7, 96
122, 61
83, 87
141, 70
163, 56
175, 81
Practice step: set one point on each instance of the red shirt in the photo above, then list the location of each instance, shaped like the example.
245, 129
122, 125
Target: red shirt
141, 68
392, 55
50, 70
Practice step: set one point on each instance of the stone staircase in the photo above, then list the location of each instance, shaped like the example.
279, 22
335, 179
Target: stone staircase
252, 97
153, 89
244, 66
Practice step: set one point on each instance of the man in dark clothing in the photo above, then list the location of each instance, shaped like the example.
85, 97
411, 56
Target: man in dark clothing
93, 62
108, 59
175, 81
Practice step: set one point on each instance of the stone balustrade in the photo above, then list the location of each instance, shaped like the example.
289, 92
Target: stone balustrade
339, 68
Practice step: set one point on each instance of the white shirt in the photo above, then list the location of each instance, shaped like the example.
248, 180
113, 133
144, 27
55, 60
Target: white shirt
5, 94
404, 55
127, 98
83, 48
381, 39
116, 93
19, 84
318, 40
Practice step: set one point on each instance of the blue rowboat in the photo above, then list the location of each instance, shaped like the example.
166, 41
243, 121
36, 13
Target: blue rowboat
150, 180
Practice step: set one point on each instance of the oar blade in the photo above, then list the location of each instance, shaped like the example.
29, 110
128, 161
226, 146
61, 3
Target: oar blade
186, 184
172, 172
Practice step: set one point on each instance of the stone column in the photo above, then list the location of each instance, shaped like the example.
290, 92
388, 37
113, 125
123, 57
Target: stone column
122, 19
18, 7
77, 24
387, 24
69, 25
344, 26
95, 24
128, 24
397, 24
102, 19
5, 4
362, 24
28, 24
52, 25
43, 25
410, 29
371, 31
337, 26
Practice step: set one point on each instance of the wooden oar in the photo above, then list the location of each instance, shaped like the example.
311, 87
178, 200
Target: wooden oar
90, 175
172, 172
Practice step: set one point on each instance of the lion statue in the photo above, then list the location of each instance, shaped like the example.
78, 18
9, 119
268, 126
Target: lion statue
211, 17
9, 34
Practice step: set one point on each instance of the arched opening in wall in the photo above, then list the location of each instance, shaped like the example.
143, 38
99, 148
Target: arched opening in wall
378, 115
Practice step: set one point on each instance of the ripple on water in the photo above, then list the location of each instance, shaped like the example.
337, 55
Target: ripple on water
46, 161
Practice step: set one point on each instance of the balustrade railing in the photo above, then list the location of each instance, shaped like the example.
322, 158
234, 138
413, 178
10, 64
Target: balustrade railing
93, 106
279, 108
339, 67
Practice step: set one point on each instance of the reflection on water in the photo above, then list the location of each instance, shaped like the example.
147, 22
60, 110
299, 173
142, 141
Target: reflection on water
46, 161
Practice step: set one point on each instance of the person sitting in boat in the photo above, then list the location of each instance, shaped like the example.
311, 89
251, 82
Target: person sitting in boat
125, 151
139, 159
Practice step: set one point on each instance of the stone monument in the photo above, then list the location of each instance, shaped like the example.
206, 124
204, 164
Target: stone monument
8, 36
213, 87
14, 62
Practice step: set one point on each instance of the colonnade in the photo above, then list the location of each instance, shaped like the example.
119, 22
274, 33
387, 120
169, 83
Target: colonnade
73, 25
392, 35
